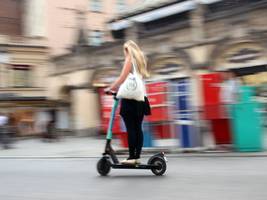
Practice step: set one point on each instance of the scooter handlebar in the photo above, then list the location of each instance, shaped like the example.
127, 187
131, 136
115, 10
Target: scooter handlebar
110, 92
113, 93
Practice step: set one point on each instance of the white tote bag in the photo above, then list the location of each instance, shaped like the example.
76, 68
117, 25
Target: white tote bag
133, 86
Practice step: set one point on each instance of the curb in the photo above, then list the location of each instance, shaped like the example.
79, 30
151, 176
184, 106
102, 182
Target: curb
145, 155
195, 152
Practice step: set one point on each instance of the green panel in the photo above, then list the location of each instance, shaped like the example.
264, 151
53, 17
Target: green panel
247, 127
246, 94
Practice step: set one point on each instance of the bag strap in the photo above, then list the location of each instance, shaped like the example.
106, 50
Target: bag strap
134, 65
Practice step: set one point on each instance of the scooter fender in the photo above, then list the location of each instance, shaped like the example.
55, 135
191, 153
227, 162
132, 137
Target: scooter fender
161, 155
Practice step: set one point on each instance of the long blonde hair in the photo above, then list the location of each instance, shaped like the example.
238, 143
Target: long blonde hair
135, 53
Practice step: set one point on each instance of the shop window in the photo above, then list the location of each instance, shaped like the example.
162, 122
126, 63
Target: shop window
95, 38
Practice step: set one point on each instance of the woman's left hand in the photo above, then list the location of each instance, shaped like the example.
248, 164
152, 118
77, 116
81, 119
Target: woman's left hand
109, 91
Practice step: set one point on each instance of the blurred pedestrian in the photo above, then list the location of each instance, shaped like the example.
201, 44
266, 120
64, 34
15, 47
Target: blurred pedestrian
132, 110
230, 88
229, 96
51, 131
4, 139
12, 128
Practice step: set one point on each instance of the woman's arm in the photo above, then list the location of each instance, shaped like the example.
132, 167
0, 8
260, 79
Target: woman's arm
124, 73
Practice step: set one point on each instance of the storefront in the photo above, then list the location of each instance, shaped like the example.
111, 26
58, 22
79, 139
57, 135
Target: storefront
29, 115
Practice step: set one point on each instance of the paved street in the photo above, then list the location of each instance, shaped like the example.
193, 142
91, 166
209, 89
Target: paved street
187, 178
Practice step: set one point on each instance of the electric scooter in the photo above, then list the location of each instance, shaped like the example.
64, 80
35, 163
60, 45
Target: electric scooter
156, 163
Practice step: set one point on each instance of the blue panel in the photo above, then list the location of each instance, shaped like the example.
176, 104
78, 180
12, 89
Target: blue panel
176, 103
182, 100
148, 135
148, 139
184, 136
183, 103
182, 87
185, 115
195, 138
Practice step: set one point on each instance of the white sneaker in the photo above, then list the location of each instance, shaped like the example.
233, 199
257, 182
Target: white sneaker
123, 161
129, 162
138, 161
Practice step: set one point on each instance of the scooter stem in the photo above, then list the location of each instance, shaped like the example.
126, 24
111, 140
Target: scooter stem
111, 121
109, 151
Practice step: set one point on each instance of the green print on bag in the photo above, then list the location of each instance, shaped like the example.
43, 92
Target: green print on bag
131, 84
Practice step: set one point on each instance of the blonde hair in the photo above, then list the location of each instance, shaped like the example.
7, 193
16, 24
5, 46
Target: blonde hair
135, 53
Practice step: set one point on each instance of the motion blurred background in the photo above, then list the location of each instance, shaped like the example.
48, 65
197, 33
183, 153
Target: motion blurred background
57, 56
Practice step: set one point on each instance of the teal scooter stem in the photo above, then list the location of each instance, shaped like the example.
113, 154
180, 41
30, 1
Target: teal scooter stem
108, 149
111, 122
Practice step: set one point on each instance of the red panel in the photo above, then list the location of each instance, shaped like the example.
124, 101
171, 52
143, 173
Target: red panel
221, 131
157, 95
123, 136
106, 103
215, 111
156, 99
117, 125
162, 131
158, 114
211, 88
157, 87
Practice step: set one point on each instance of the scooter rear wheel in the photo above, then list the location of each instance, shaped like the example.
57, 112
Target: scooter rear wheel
160, 162
103, 166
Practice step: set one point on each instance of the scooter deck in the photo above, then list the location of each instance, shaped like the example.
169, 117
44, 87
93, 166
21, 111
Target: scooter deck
136, 166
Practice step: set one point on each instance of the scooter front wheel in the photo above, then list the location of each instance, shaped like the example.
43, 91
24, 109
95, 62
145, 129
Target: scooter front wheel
103, 166
161, 166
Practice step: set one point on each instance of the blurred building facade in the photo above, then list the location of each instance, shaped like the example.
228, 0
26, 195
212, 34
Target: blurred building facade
23, 69
180, 38
62, 18
31, 32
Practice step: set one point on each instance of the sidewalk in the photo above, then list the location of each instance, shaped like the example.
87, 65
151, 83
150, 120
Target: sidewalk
82, 147
65, 147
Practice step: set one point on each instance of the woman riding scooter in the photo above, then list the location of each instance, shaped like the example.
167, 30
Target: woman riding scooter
132, 110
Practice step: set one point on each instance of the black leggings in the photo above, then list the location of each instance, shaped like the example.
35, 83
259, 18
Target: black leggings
135, 134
